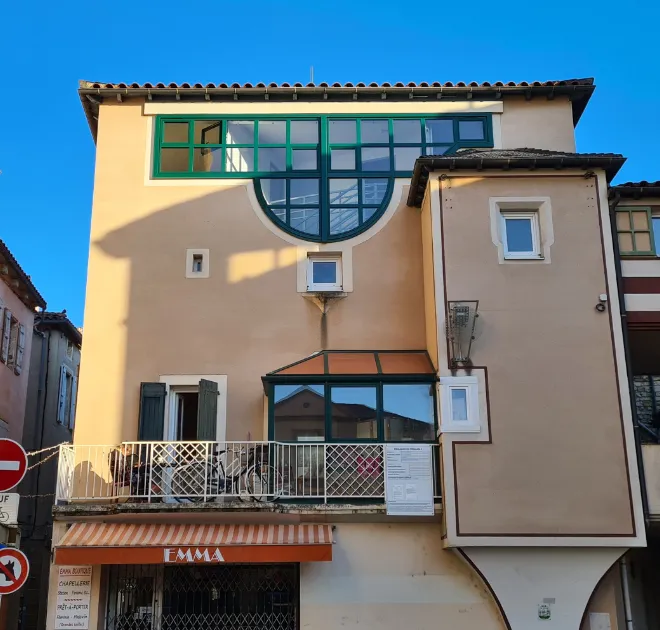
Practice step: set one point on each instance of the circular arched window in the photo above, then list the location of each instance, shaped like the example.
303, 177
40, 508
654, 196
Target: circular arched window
323, 178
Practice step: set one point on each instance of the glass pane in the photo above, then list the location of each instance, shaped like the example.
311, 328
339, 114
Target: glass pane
353, 411
471, 129
375, 159
642, 242
342, 132
324, 272
625, 242
173, 160
305, 192
373, 191
272, 132
367, 213
623, 221
656, 233
304, 132
343, 191
239, 160
280, 213
305, 220
436, 150
175, 132
459, 410
274, 191
407, 131
374, 132
439, 131
272, 160
207, 131
404, 158
207, 160
640, 221
343, 220
408, 412
299, 412
342, 159
304, 160
240, 132
519, 235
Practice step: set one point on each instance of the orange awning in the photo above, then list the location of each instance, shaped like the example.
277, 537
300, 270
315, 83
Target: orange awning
125, 543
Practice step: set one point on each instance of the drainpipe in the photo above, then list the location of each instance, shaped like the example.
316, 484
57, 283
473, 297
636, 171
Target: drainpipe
626, 345
625, 586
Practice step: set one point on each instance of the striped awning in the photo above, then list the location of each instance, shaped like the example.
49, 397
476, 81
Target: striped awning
157, 543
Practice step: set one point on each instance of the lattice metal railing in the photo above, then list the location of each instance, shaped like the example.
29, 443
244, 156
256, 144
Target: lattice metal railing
210, 471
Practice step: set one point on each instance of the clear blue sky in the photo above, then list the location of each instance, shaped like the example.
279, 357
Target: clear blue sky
47, 154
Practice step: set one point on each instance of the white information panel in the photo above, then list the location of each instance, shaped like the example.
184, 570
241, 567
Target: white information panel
9, 508
74, 588
409, 479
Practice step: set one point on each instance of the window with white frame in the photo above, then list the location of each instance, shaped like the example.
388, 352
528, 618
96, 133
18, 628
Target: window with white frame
324, 273
520, 233
459, 399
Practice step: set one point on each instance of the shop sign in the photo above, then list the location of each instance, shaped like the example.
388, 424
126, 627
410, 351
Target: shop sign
74, 589
192, 555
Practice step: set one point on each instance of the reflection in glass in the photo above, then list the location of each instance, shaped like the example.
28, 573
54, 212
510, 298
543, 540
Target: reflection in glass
272, 160
408, 412
374, 132
344, 191
342, 159
404, 158
471, 129
305, 220
436, 150
207, 160
175, 132
299, 412
342, 132
367, 213
280, 213
272, 132
407, 131
274, 191
373, 191
519, 235
343, 220
656, 233
304, 132
459, 410
353, 412
304, 160
439, 131
375, 159
324, 272
239, 160
207, 131
240, 132
174, 160
305, 192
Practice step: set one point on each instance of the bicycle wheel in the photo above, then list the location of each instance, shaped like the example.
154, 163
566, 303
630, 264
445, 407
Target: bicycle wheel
190, 482
263, 483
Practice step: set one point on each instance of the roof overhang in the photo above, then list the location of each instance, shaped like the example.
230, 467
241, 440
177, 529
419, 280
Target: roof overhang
18, 281
635, 190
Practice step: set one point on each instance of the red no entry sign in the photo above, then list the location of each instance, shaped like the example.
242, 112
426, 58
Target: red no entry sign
14, 570
13, 464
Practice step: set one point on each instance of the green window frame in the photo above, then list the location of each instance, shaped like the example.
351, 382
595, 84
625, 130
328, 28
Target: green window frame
634, 225
337, 195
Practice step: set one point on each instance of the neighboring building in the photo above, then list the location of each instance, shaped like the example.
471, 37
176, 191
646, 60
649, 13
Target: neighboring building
49, 421
274, 305
19, 299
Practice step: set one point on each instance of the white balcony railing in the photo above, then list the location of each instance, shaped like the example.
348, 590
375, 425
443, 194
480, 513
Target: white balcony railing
209, 471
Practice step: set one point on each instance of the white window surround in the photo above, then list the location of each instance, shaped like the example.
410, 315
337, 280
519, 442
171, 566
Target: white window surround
540, 211
182, 383
532, 216
191, 255
469, 384
335, 259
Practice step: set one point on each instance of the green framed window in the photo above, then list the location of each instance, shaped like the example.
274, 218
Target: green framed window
635, 227
321, 178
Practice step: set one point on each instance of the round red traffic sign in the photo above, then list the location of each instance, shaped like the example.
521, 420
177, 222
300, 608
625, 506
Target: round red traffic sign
14, 570
13, 464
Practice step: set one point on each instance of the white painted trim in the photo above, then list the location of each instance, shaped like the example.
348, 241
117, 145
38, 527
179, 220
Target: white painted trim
191, 381
497, 131
471, 385
533, 218
642, 301
205, 271
640, 268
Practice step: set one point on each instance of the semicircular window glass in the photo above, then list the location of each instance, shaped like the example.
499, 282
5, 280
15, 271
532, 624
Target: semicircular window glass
324, 178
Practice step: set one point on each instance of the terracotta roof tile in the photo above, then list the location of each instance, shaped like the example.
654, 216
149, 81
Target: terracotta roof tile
35, 297
636, 190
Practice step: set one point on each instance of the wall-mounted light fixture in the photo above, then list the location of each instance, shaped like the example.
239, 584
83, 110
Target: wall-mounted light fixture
461, 318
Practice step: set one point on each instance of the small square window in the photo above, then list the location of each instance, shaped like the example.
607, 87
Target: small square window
324, 273
520, 234
197, 263
460, 404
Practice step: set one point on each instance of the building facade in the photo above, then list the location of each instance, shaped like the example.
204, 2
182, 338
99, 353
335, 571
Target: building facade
329, 382
49, 421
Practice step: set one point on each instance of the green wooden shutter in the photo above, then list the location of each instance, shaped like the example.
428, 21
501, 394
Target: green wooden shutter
207, 410
152, 412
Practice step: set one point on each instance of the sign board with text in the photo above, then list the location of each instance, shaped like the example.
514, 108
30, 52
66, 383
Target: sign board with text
9, 508
74, 589
409, 480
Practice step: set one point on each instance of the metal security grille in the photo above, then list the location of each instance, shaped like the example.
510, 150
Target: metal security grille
217, 597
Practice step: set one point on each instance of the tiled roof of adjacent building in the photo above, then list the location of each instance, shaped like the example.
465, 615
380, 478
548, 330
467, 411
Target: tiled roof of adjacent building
17, 280
636, 190
93, 92
51, 319
506, 159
